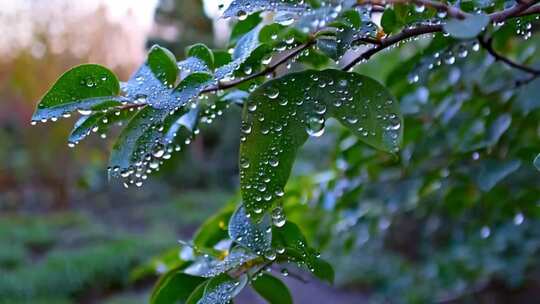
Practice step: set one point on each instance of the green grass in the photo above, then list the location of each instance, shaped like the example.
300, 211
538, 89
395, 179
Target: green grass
59, 258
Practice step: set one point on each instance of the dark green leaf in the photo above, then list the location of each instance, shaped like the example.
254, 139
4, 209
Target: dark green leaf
174, 287
85, 87
244, 26
272, 289
281, 114
197, 294
202, 52
467, 28
389, 21
491, 172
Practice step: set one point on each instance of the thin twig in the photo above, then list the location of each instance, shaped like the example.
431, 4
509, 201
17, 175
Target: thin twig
268, 70
512, 12
488, 46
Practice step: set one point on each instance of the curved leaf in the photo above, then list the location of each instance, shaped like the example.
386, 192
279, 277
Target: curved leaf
97, 122
537, 162
272, 289
174, 287
222, 289
467, 28
85, 87
213, 229
281, 114
202, 52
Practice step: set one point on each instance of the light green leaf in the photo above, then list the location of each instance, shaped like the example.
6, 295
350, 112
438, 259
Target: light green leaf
85, 87
254, 236
467, 28
281, 114
272, 289
174, 287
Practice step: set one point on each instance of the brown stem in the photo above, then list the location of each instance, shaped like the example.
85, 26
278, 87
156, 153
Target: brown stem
509, 13
488, 46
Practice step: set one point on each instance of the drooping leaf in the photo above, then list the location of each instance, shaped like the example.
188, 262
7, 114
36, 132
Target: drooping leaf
174, 288
241, 8
281, 114
272, 289
86, 87
98, 122
491, 172
249, 234
467, 28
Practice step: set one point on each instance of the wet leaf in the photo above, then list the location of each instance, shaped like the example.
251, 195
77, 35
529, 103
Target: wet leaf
222, 289
213, 229
85, 87
211, 267
249, 234
241, 8
467, 28
280, 115
292, 245
202, 52
98, 122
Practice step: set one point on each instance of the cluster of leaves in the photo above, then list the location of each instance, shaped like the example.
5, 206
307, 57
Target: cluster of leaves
166, 101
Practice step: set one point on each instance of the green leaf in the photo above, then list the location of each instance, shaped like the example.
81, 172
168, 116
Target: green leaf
222, 289
85, 87
281, 114
202, 52
389, 21
491, 172
292, 242
272, 289
242, 27
241, 8
211, 267
154, 82
537, 162
527, 98
174, 287
467, 28
213, 229
98, 122
197, 294
254, 236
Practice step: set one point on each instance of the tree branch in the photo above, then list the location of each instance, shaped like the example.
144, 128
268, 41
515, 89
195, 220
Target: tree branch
488, 46
517, 10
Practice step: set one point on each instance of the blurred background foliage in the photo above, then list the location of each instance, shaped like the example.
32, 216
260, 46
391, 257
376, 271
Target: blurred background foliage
453, 219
